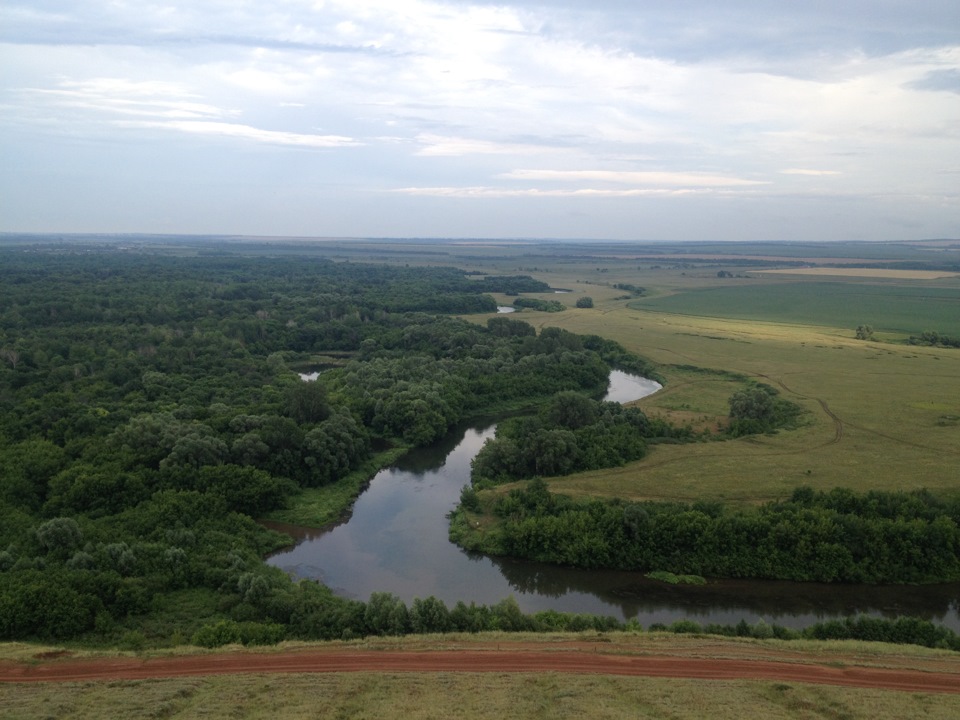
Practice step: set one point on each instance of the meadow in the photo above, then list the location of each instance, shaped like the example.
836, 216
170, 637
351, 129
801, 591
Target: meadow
881, 414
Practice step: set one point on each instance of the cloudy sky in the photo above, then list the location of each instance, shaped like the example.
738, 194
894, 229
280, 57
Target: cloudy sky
618, 119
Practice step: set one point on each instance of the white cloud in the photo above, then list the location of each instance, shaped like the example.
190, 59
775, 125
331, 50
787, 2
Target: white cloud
246, 132
496, 192
808, 171
439, 145
506, 99
680, 179
126, 97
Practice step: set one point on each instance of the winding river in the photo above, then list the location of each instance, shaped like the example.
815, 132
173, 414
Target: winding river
396, 541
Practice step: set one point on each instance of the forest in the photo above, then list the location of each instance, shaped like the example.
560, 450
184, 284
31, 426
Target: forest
149, 411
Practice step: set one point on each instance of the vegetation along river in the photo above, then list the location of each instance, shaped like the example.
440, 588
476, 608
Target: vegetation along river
396, 541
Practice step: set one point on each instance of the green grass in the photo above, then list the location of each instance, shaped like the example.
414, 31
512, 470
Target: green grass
330, 504
902, 308
673, 579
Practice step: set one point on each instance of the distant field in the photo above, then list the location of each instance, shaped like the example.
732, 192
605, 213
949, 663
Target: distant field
909, 309
865, 273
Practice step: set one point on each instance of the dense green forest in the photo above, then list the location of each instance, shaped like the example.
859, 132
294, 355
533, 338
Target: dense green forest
571, 433
148, 412
838, 536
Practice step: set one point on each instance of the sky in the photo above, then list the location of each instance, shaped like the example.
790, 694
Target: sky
609, 119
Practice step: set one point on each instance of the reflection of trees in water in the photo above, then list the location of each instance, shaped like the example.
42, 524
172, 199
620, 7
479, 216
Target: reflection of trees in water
432, 458
299, 533
636, 595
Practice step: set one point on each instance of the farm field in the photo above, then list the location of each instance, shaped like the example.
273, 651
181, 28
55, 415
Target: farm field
843, 304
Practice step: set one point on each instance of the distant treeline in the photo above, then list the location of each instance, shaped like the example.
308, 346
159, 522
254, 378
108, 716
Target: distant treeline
934, 339
839, 536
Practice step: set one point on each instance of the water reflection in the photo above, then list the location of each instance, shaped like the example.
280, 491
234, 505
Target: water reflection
396, 541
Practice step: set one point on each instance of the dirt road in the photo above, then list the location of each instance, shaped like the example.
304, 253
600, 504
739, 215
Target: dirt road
518, 660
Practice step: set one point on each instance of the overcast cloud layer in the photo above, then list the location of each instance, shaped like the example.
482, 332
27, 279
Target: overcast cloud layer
689, 119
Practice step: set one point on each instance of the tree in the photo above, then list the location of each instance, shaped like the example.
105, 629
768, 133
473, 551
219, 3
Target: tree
429, 616
864, 332
307, 402
60, 533
571, 410
585, 302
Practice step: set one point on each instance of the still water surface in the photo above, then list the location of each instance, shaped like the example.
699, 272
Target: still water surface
396, 541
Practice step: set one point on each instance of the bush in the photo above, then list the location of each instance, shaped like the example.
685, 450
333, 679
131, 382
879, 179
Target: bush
228, 632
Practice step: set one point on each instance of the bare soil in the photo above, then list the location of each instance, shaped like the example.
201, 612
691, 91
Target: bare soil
520, 657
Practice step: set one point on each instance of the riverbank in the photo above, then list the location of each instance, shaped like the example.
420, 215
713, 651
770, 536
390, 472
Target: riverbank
325, 507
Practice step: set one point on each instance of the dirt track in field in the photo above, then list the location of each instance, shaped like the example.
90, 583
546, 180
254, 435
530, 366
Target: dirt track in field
522, 658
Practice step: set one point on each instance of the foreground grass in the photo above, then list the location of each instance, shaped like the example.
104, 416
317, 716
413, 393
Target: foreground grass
454, 695
493, 695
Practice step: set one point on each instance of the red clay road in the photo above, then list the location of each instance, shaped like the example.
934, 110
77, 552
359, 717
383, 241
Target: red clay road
471, 661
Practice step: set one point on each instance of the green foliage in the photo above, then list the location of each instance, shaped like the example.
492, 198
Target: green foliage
572, 433
585, 302
228, 632
148, 412
901, 631
307, 402
759, 409
672, 579
630, 288
822, 537
541, 305
864, 332
935, 339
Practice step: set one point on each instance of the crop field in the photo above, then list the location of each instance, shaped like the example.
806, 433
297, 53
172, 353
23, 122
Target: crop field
908, 309
880, 273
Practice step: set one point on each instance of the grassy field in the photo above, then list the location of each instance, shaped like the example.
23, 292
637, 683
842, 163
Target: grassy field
881, 414
460, 695
499, 695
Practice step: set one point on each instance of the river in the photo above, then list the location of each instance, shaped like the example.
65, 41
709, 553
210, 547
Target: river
396, 541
